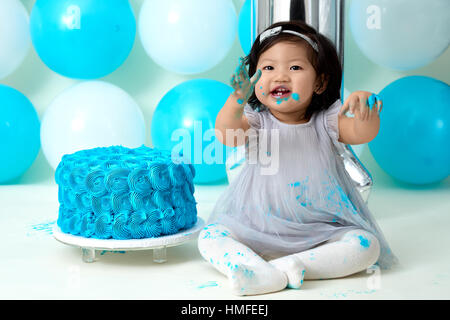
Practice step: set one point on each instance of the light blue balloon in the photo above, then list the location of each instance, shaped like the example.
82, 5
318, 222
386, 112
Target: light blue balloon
83, 39
244, 27
186, 36
183, 122
401, 34
19, 134
413, 142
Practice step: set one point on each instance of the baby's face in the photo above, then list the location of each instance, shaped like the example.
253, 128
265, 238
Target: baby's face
287, 81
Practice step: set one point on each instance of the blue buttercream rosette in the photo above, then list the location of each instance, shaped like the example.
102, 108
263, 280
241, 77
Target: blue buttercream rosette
124, 193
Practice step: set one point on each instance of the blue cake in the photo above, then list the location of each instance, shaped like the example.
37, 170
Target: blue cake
122, 193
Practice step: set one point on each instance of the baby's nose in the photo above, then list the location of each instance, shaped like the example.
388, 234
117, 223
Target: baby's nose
281, 76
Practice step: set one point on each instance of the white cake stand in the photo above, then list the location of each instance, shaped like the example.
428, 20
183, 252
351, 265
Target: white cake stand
158, 245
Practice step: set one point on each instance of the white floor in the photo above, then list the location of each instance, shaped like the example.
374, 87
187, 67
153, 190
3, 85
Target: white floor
33, 265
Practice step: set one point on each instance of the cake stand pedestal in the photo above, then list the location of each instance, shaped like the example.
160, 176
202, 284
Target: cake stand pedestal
89, 246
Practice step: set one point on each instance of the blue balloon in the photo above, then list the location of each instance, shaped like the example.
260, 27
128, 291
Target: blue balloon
413, 142
183, 123
244, 27
83, 39
19, 132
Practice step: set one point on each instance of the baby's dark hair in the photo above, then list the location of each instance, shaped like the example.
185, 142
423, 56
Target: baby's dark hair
325, 62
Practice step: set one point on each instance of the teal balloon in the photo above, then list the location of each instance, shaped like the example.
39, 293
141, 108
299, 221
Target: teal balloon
244, 27
83, 39
183, 123
401, 34
413, 142
19, 132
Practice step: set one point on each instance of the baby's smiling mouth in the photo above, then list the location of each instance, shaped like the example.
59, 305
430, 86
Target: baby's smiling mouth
280, 92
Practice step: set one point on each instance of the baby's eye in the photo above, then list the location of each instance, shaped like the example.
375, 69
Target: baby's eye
268, 68
296, 68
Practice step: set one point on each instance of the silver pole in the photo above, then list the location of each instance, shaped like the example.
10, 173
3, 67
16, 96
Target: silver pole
340, 19
326, 16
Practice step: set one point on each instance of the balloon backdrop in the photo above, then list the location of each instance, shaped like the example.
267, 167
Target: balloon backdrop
80, 38
244, 27
401, 34
184, 121
187, 36
88, 115
358, 149
414, 138
14, 35
19, 132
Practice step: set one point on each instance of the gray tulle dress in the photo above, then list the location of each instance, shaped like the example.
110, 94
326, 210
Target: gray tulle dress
302, 198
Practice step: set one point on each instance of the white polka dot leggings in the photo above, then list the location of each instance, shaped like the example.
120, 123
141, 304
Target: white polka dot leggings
250, 274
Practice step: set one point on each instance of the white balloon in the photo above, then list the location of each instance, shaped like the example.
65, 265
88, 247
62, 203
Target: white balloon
88, 115
187, 36
401, 34
15, 38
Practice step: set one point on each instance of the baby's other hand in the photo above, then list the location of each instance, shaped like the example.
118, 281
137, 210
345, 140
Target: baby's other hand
362, 105
242, 83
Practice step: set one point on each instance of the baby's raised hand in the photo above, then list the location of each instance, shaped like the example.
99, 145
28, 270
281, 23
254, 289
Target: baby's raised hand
364, 105
242, 84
